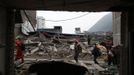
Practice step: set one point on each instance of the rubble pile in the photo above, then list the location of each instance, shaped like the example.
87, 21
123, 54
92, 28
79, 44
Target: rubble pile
53, 48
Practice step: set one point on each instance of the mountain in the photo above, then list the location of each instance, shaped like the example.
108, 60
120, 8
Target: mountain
104, 24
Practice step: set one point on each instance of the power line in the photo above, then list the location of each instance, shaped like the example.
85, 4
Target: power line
69, 19
65, 19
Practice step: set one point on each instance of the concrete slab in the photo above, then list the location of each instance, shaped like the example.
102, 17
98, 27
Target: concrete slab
34, 50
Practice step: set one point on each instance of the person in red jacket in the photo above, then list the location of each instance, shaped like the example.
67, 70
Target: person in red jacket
19, 50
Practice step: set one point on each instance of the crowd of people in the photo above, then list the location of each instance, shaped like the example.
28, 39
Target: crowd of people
112, 52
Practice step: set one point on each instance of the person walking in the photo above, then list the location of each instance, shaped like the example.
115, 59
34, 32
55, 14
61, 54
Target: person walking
96, 53
77, 49
19, 49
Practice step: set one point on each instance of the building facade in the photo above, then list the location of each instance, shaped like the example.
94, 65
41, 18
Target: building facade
77, 30
40, 22
56, 29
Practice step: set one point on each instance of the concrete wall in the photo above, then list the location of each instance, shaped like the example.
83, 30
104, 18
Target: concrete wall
31, 14
17, 29
116, 28
124, 53
26, 26
40, 22
3, 25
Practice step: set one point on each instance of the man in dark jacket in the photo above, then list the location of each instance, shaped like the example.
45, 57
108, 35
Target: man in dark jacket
96, 53
78, 50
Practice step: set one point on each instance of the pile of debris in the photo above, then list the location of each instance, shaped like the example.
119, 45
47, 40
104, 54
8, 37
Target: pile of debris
53, 48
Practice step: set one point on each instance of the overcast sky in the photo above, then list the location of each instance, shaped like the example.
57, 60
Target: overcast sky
70, 20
